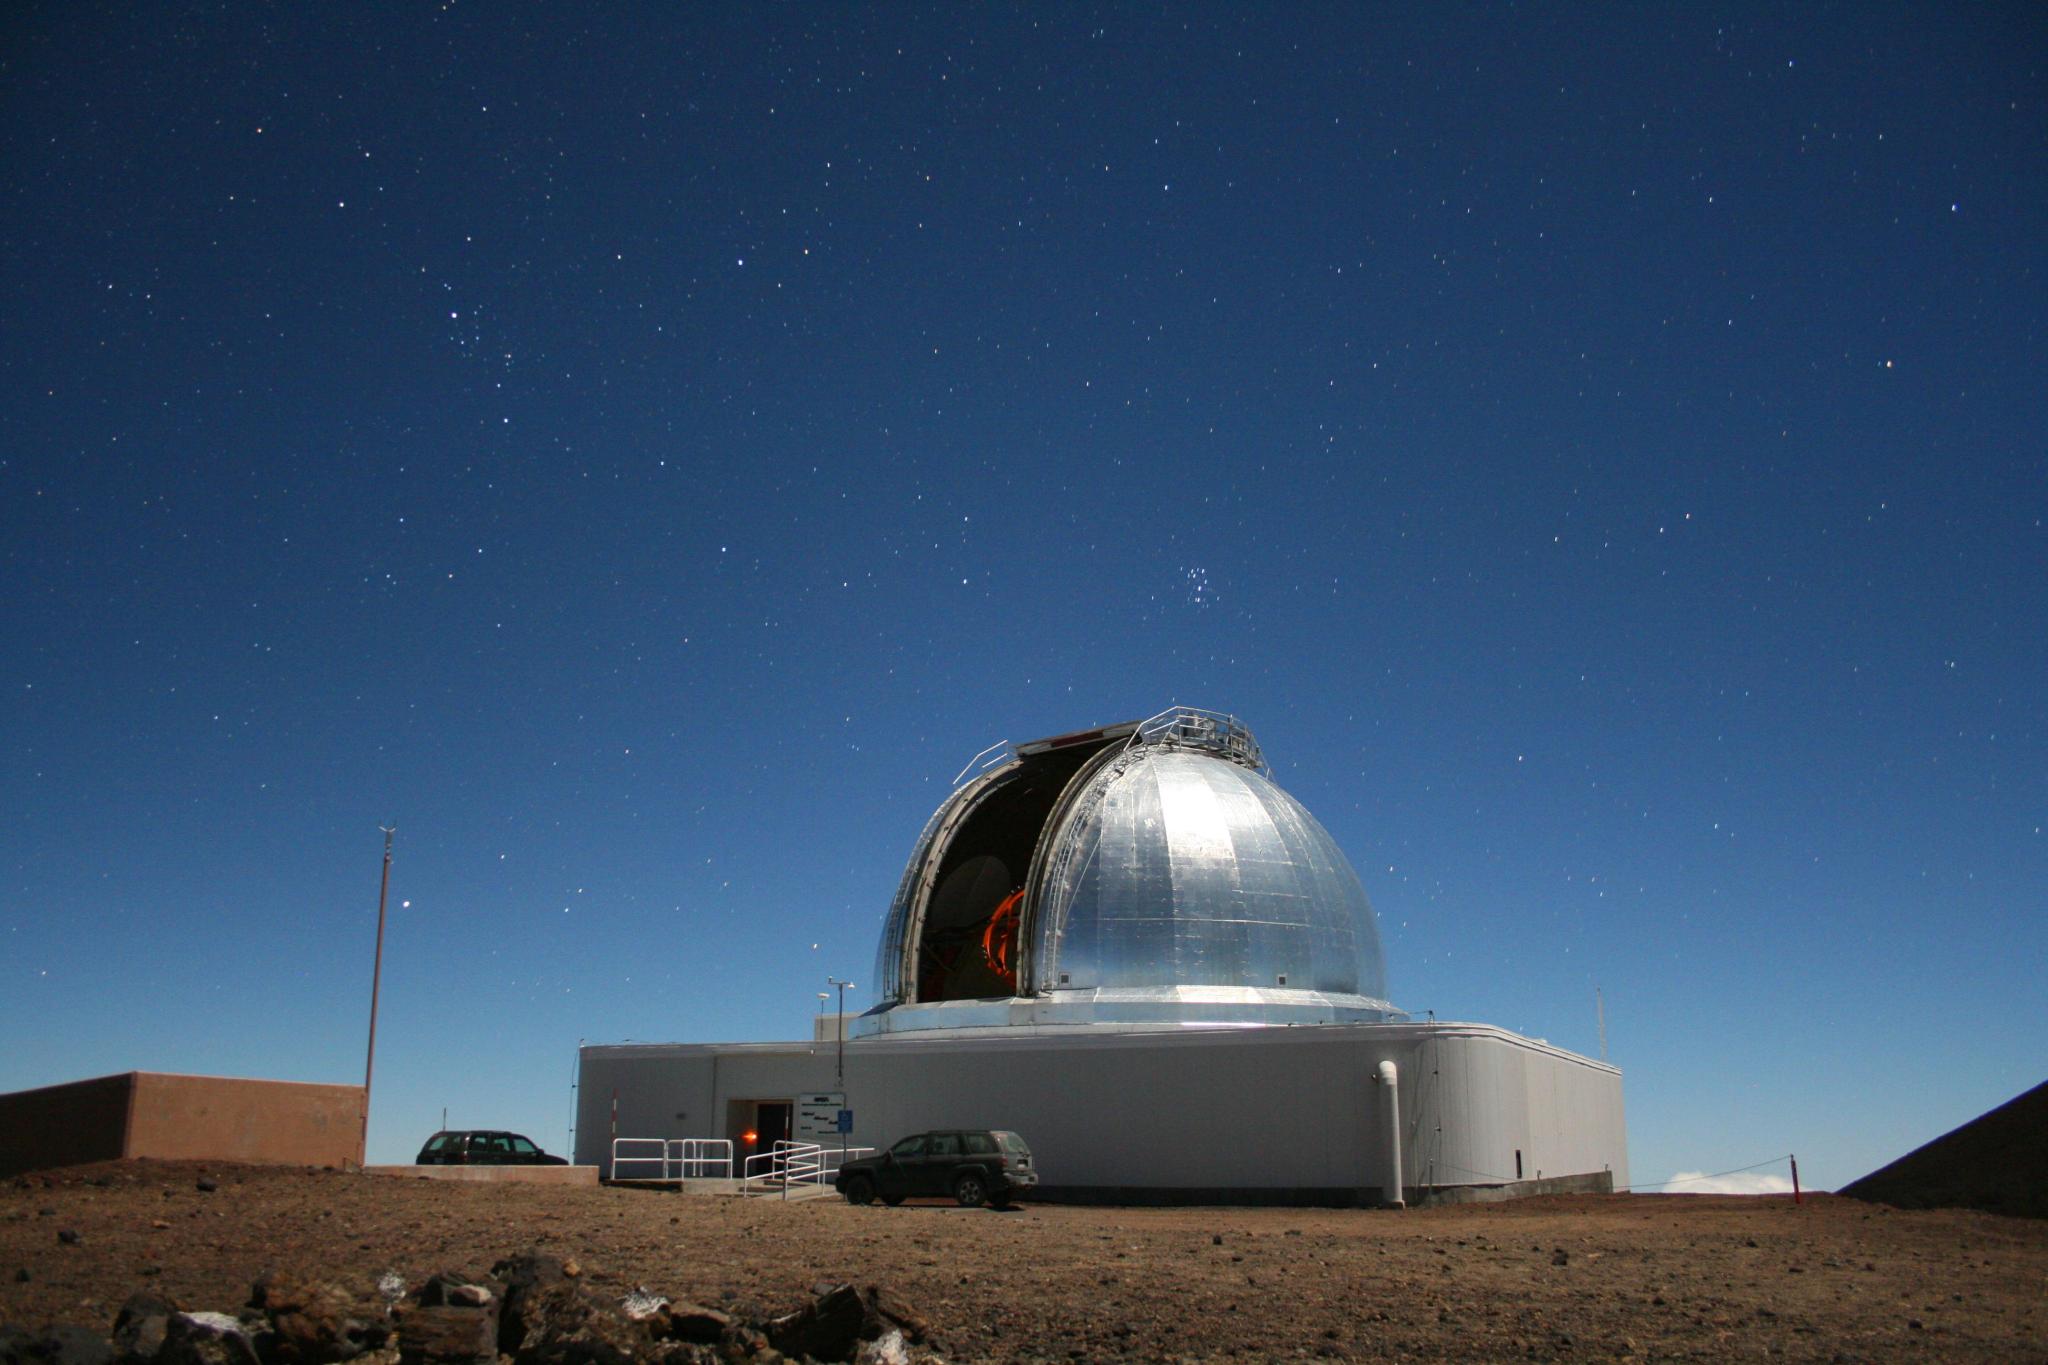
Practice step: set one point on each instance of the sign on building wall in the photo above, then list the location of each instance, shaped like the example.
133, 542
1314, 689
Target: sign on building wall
817, 1117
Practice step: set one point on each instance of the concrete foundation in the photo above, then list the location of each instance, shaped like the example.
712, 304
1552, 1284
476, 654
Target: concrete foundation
494, 1175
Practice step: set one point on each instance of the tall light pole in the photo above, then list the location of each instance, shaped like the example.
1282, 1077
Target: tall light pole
376, 979
840, 1020
842, 985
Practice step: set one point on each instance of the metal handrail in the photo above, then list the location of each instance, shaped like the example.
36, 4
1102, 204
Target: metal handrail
774, 1166
1191, 725
694, 1158
983, 759
835, 1157
796, 1164
678, 1159
660, 1158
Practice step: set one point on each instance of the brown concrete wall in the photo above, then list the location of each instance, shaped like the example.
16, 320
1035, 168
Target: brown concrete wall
222, 1118
64, 1125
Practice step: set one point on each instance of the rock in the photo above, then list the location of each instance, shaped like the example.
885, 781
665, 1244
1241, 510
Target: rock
520, 1277
827, 1328
692, 1322
207, 1184
139, 1327
743, 1343
887, 1349
642, 1304
55, 1346
563, 1325
68, 1236
452, 1334
315, 1324
833, 1326
454, 1289
887, 1309
1560, 1257
206, 1339
22, 1276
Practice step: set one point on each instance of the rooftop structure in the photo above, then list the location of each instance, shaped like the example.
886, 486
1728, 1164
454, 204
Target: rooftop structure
1150, 872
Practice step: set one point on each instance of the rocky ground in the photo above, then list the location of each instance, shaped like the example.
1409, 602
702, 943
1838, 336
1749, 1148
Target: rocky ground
1577, 1278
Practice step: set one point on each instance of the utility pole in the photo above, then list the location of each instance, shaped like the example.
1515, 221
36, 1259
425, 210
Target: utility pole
376, 980
842, 985
841, 1021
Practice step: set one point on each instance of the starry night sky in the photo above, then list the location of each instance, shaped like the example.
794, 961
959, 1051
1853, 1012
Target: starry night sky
644, 452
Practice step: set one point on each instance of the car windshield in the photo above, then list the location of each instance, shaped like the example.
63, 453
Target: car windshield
910, 1146
1013, 1144
439, 1141
523, 1147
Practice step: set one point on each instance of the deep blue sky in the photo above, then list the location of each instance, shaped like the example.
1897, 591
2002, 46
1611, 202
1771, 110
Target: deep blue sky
645, 452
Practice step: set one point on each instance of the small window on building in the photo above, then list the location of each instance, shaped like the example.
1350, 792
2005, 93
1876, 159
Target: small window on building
1518, 1163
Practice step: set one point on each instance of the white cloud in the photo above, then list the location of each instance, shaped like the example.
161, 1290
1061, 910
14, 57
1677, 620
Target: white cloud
1748, 1182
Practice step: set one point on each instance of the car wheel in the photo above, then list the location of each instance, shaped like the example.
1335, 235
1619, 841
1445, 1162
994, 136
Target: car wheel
859, 1190
970, 1190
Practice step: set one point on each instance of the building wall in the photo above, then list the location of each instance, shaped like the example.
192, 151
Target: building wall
1286, 1112
64, 1125
204, 1118
221, 1118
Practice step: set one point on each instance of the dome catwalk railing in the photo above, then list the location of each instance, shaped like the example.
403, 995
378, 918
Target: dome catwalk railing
1195, 728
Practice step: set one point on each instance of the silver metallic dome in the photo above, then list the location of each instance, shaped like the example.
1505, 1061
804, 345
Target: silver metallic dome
1175, 868
1141, 873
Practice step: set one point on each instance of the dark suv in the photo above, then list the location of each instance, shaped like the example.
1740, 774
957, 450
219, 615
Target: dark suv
483, 1149
974, 1166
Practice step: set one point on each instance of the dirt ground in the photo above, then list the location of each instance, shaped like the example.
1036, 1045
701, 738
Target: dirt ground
1568, 1278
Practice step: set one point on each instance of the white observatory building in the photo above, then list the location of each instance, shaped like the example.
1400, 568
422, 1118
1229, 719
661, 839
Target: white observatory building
1132, 947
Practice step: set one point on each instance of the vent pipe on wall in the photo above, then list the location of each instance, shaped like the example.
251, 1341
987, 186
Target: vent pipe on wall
1390, 1192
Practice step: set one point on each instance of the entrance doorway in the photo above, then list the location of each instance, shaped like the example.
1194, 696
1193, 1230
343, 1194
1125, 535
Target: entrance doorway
755, 1126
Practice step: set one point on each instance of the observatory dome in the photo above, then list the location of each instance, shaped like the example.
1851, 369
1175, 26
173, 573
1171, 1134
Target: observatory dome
1151, 872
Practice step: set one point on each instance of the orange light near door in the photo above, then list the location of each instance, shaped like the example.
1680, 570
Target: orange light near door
749, 1137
